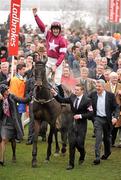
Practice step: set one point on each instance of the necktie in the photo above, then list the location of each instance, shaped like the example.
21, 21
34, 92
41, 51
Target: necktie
76, 103
113, 89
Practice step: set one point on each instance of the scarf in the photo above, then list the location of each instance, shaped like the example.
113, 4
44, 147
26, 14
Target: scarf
6, 109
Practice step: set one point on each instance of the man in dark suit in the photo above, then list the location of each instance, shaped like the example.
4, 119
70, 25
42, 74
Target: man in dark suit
81, 111
94, 42
4, 73
11, 127
88, 83
106, 112
97, 73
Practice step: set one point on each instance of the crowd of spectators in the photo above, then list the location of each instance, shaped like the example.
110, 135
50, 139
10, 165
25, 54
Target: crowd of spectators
89, 57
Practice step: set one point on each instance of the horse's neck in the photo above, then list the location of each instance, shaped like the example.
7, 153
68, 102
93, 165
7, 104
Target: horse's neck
46, 93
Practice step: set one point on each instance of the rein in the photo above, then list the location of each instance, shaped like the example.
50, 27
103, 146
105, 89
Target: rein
42, 101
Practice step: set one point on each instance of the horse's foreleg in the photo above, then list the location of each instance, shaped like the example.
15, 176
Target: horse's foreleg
56, 141
64, 140
13, 145
50, 137
35, 139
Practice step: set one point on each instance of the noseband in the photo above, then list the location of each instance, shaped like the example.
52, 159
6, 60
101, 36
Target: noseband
42, 101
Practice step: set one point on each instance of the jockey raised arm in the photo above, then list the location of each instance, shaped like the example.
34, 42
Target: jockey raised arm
56, 47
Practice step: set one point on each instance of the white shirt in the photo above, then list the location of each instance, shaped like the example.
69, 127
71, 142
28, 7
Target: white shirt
79, 100
101, 105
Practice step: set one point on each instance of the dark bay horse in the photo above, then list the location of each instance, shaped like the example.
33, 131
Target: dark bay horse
45, 108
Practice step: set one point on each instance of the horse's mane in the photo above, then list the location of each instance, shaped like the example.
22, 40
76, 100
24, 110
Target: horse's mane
40, 63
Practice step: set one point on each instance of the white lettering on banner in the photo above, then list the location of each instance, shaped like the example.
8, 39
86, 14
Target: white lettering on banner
111, 10
15, 20
117, 11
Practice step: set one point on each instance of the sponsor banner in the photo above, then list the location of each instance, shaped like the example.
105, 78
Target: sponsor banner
117, 11
114, 10
14, 27
111, 10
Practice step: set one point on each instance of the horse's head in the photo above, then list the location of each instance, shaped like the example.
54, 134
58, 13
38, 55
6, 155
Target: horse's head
39, 73
41, 90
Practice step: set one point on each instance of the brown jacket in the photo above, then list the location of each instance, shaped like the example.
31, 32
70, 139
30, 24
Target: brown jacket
118, 98
89, 85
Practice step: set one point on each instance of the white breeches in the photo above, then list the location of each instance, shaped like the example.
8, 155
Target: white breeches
58, 73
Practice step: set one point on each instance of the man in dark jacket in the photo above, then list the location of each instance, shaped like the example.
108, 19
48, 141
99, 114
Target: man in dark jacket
11, 127
4, 74
81, 111
106, 112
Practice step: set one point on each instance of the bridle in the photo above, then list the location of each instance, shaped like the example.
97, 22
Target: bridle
48, 86
42, 101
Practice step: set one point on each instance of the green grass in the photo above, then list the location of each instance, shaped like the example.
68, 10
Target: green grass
55, 169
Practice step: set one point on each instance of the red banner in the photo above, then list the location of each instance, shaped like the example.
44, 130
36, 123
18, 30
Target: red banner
14, 27
111, 10
114, 10
117, 11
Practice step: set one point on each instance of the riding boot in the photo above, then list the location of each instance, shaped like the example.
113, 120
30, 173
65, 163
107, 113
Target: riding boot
60, 90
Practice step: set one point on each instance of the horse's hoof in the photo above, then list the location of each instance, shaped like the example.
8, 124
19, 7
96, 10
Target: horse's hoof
63, 154
56, 154
34, 164
14, 159
2, 163
46, 160
63, 150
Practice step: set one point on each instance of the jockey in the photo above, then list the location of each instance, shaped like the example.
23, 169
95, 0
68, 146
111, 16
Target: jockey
56, 48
